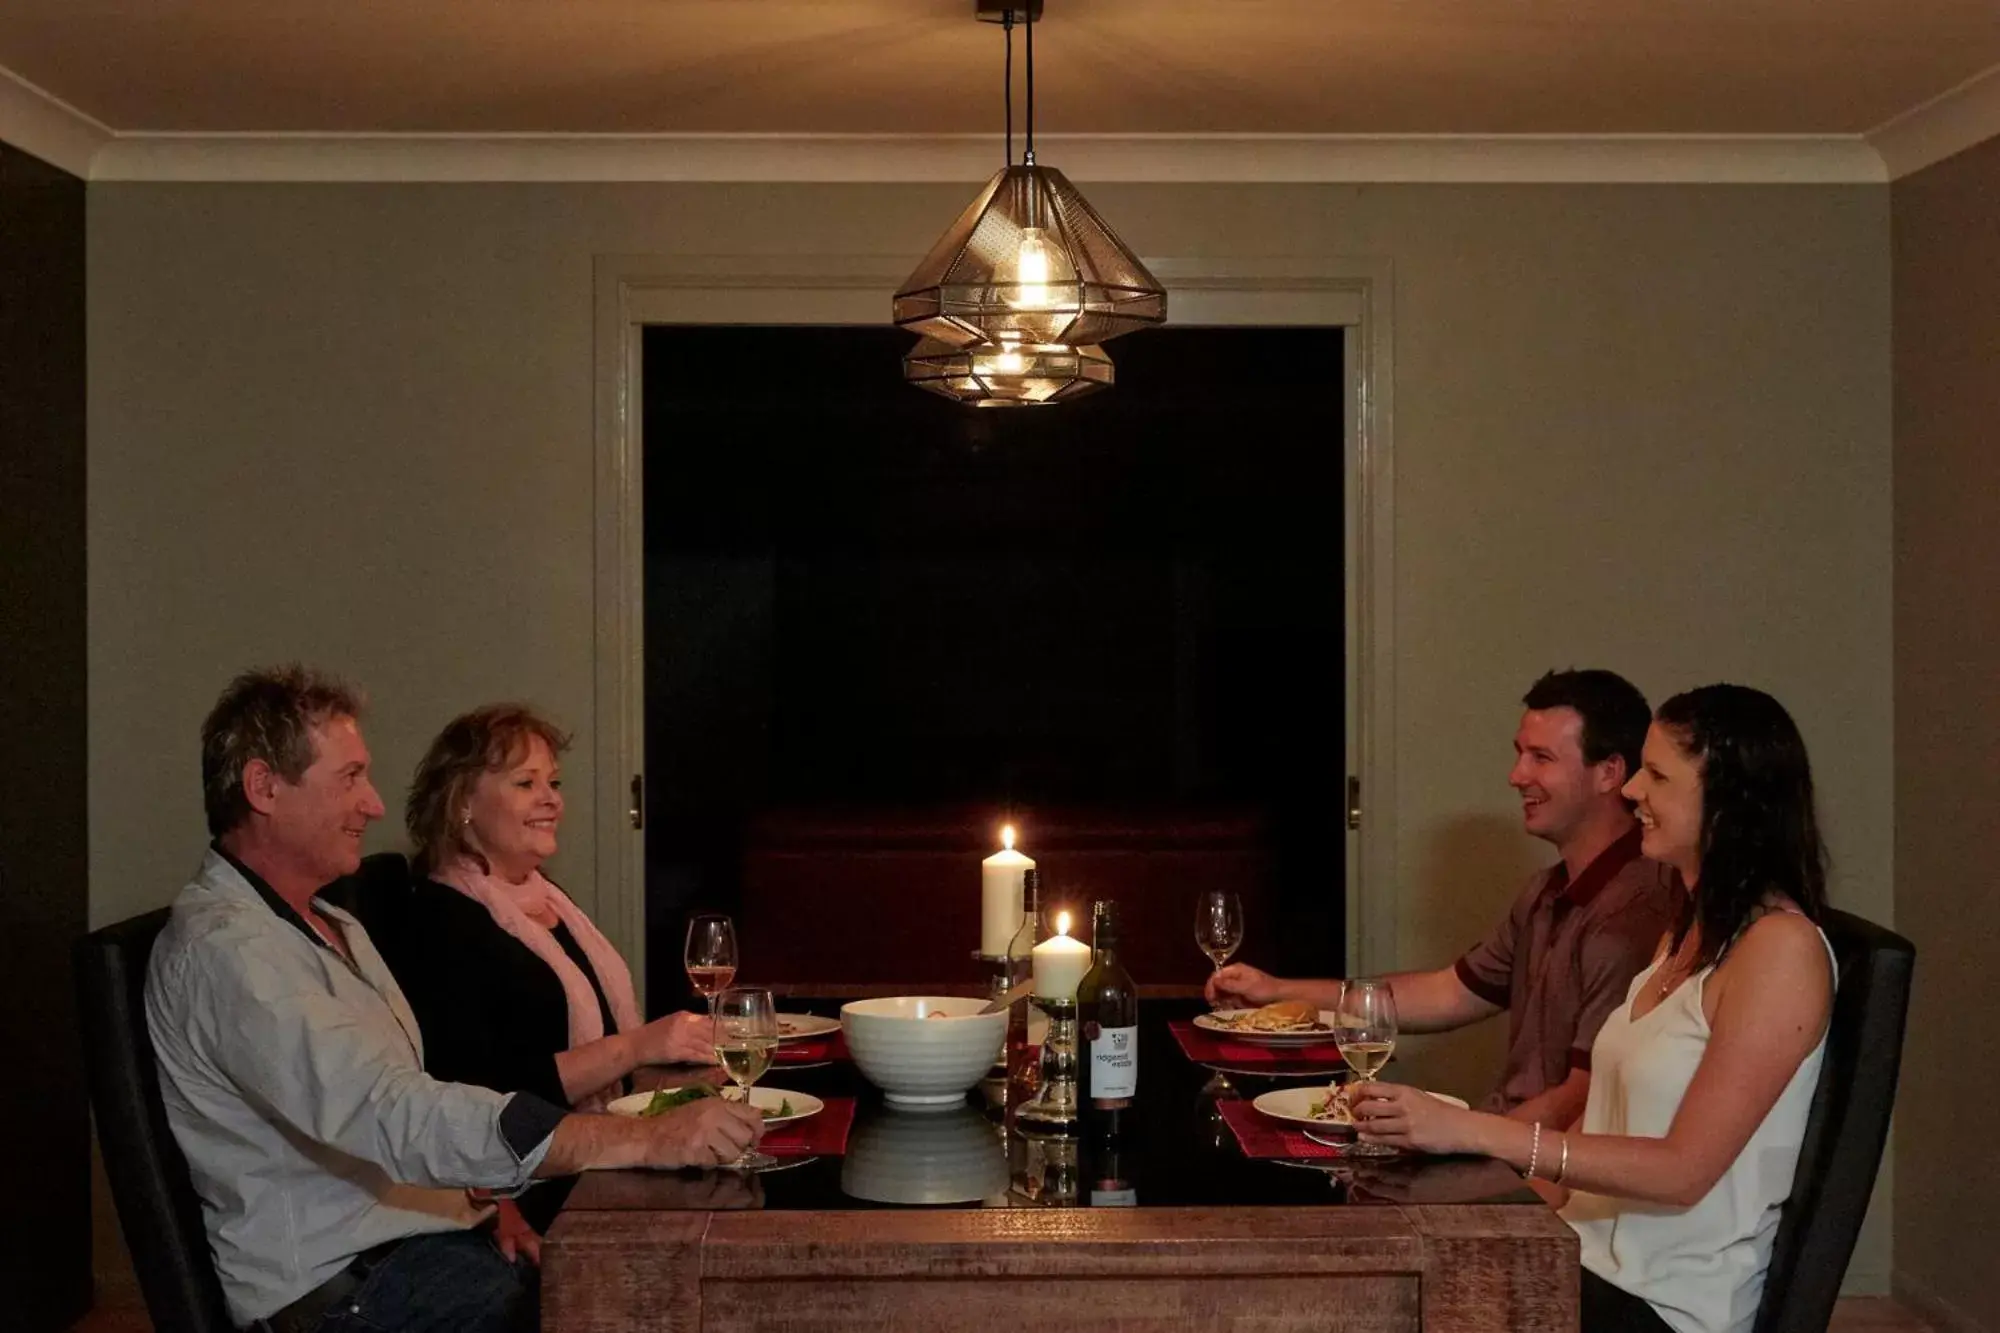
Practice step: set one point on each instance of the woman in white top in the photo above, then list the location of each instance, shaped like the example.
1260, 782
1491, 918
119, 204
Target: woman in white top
1701, 1082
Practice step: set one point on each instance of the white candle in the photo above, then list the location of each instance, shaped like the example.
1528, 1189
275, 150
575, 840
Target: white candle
1060, 963
1000, 878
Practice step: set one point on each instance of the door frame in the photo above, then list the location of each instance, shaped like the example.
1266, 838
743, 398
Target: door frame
632, 291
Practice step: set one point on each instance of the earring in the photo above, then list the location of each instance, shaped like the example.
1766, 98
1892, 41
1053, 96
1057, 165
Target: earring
466, 821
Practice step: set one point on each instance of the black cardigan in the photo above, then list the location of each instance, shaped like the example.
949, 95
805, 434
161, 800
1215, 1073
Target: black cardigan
492, 1013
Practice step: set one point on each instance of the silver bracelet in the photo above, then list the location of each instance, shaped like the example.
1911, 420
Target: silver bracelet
1535, 1152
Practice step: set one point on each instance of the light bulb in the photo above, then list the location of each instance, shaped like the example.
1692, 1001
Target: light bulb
1037, 266
1032, 266
1006, 361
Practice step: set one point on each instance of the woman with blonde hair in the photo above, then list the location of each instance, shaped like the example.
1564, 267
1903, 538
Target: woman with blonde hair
513, 986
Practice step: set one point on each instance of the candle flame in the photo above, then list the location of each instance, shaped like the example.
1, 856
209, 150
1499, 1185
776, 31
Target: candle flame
1007, 836
1062, 923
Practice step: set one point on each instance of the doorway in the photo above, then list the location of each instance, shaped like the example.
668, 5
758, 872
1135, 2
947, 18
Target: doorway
877, 619
636, 292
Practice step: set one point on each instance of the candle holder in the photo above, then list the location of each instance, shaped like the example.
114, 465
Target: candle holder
1053, 1111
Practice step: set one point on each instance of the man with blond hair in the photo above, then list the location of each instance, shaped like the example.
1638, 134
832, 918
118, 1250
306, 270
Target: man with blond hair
341, 1186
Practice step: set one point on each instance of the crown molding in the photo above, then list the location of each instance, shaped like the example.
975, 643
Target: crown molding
1217, 158
38, 122
1949, 123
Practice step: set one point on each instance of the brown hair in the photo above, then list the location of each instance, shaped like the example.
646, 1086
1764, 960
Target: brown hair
267, 714
485, 740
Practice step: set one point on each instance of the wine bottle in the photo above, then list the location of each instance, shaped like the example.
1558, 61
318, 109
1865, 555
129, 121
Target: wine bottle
1021, 966
1107, 1010
1021, 949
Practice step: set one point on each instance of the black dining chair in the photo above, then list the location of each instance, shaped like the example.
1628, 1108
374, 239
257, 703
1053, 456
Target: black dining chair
1845, 1129
158, 1209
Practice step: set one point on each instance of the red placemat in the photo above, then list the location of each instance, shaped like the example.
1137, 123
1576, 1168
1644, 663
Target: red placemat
1205, 1048
812, 1051
1264, 1138
822, 1135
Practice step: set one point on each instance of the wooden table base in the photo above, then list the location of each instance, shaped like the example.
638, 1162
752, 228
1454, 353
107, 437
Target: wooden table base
1443, 1268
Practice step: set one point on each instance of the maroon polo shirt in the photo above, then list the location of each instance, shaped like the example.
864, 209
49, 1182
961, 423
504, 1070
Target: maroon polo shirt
1564, 957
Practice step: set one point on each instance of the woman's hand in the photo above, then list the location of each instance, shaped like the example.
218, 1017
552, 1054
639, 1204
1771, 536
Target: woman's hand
1408, 1118
514, 1237
677, 1039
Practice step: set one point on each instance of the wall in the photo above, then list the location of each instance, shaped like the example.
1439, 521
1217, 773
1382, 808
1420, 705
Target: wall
1643, 427
44, 849
1947, 599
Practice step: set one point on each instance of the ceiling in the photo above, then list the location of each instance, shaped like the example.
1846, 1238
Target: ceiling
1336, 67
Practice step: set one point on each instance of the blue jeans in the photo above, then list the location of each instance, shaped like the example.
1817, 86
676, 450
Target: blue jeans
451, 1282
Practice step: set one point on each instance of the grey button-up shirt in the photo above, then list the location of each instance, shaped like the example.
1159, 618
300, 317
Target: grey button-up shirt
294, 1084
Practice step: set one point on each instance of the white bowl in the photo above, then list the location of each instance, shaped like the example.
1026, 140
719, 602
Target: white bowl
923, 1050
949, 1156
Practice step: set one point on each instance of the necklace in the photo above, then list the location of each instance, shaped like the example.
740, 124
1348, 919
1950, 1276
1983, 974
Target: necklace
1671, 966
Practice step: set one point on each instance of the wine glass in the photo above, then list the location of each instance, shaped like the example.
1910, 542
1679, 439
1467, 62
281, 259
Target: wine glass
711, 955
746, 1033
1218, 925
1365, 1030
1218, 929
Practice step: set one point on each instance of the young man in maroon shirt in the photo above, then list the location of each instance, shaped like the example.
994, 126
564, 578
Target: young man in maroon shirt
1565, 954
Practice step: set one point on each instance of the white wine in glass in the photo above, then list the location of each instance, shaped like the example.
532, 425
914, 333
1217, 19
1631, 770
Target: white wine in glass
746, 1034
1218, 925
745, 1062
1365, 1031
710, 957
1366, 1058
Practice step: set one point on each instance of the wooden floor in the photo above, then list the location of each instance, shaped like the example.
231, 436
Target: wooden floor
1856, 1314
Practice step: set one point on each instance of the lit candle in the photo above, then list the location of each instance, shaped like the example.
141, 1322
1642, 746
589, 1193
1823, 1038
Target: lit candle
1060, 963
1000, 878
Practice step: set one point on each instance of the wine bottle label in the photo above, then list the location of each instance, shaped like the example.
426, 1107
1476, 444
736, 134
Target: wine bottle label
1114, 1065
1117, 1196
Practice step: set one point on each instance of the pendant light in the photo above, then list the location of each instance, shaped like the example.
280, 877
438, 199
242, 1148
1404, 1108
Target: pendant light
1007, 374
1029, 262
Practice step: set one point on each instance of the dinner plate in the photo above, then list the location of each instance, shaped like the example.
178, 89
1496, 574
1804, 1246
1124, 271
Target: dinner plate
1216, 1023
764, 1099
804, 1027
1290, 1104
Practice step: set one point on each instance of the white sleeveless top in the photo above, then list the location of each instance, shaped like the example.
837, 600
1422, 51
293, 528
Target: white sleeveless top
1703, 1267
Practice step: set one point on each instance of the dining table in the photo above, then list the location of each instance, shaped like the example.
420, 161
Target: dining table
953, 1220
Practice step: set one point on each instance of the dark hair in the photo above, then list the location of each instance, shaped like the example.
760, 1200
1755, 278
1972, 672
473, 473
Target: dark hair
484, 740
268, 714
1614, 713
1759, 834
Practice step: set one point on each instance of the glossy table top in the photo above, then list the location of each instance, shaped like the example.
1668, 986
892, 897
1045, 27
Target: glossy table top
1175, 1152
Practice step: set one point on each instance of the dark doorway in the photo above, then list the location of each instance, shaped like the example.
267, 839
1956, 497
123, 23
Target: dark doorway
866, 604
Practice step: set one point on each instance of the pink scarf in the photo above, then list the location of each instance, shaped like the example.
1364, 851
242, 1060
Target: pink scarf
510, 904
